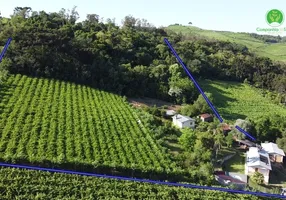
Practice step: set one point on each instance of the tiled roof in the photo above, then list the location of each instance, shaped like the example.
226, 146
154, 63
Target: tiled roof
206, 115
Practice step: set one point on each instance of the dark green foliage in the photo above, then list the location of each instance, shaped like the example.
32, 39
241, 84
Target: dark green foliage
257, 178
24, 184
200, 106
132, 60
268, 38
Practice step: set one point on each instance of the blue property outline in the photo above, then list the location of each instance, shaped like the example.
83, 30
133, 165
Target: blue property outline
200, 90
243, 131
194, 81
5, 48
142, 180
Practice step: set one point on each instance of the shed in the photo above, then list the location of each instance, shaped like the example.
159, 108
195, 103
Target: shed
206, 117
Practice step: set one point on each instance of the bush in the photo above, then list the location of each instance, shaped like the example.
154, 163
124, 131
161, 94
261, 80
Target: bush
257, 178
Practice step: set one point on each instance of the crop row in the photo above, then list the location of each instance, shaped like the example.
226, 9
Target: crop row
29, 184
49, 121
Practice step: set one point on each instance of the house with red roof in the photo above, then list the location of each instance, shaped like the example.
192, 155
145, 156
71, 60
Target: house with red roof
206, 117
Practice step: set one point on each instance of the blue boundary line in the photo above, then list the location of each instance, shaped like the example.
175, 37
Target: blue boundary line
201, 91
243, 131
194, 81
142, 180
5, 48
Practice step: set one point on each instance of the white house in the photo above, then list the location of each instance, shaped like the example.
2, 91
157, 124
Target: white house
275, 153
183, 121
258, 160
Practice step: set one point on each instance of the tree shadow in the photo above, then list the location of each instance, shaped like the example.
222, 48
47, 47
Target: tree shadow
221, 98
232, 116
168, 145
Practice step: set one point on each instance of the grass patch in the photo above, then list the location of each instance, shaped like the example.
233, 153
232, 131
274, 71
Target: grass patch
237, 100
223, 152
236, 163
275, 51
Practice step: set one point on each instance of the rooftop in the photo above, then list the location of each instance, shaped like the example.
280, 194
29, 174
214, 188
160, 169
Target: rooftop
226, 127
205, 115
247, 142
258, 158
272, 148
182, 118
170, 112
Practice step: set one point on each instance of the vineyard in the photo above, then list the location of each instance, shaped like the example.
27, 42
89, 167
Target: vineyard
29, 184
236, 100
59, 124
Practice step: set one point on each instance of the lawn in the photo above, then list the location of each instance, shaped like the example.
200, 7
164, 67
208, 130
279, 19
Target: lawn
236, 163
223, 152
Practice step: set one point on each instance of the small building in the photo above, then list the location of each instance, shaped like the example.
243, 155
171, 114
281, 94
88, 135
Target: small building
183, 121
227, 178
245, 144
225, 129
275, 153
257, 160
170, 113
206, 117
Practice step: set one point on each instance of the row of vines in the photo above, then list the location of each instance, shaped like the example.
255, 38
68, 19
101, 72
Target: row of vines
235, 100
29, 184
54, 123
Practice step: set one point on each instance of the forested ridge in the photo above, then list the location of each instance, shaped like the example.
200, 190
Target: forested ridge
130, 60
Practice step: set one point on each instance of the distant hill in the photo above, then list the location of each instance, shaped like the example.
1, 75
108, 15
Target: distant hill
263, 45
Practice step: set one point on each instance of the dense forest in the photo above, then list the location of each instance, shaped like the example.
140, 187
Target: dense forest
130, 60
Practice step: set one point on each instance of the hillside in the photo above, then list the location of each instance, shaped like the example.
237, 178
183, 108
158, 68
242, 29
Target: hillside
276, 51
49, 122
237, 100
29, 184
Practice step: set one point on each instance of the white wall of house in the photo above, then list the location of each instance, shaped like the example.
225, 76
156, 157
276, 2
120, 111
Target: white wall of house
265, 173
190, 124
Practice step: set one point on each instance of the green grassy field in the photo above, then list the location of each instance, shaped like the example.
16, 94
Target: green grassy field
274, 51
57, 123
237, 100
29, 184
236, 163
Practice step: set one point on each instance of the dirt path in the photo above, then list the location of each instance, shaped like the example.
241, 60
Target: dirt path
141, 102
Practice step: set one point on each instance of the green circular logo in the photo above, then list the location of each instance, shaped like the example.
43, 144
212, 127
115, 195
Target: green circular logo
275, 17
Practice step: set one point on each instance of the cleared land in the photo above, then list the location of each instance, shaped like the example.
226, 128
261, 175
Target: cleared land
237, 100
276, 51
56, 123
28, 184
